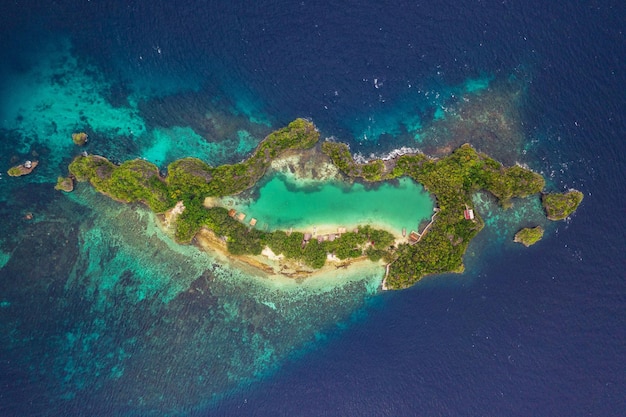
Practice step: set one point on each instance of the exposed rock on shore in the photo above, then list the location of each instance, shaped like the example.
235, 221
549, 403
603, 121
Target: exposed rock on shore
310, 164
529, 235
79, 138
65, 184
23, 169
559, 206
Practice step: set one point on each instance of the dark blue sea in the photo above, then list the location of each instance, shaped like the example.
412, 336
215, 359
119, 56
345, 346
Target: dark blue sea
102, 314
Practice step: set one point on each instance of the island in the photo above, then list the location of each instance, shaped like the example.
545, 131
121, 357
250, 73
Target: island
559, 206
79, 138
529, 235
180, 198
23, 169
64, 184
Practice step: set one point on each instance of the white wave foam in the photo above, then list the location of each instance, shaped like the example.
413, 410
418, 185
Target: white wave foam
395, 153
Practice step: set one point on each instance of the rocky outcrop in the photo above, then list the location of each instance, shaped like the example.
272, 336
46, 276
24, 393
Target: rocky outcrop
65, 184
23, 169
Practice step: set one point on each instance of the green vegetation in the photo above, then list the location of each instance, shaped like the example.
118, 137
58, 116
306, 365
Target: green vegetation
15, 171
233, 179
132, 181
340, 154
189, 179
79, 138
95, 169
374, 170
529, 235
139, 180
365, 240
244, 240
452, 180
559, 206
241, 240
64, 184
23, 169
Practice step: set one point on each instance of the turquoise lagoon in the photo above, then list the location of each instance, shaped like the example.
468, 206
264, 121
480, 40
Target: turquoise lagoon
284, 202
125, 316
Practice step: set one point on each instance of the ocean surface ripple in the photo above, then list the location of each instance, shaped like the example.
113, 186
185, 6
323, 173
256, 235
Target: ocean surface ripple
102, 314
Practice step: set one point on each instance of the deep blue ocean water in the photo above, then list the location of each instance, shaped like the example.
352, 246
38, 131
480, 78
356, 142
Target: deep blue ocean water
101, 315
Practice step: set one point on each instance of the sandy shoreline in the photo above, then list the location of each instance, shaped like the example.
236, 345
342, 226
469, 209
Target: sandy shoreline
314, 166
269, 263
311, 165
328, 229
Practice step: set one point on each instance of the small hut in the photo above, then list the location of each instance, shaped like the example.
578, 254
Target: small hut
232, 212
252, 222
241, 216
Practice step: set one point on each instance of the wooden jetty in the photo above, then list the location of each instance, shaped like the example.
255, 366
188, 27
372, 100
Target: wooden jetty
414, 237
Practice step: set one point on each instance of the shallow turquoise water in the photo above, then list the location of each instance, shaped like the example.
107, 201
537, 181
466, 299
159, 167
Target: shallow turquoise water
403, 119
284, 202
128, 313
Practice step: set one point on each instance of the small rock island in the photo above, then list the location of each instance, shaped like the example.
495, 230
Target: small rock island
79, 138
439, 248
528, 236
23, 169
559, 206
65, 184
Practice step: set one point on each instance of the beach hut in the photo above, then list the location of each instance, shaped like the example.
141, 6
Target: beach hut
241, 216
232, 212
414, 237
252, 222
